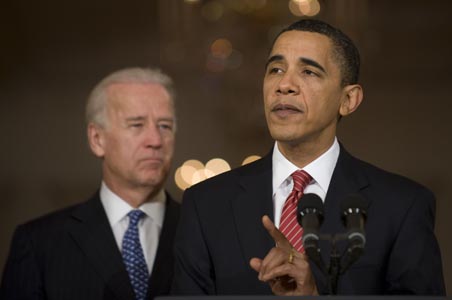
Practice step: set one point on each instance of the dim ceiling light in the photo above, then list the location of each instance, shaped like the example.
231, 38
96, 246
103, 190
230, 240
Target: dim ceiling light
221, 48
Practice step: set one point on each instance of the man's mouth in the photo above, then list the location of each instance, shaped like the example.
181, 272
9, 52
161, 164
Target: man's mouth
154, 160
283, 110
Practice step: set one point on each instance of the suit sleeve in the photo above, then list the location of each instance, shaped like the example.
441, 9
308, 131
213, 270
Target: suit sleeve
193, 269
415, 261
21, 276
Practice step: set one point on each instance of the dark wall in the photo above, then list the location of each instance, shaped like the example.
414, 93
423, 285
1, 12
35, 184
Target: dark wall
52, 54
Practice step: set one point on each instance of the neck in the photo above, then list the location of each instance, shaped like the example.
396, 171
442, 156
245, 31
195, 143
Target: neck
302, 154
134, 196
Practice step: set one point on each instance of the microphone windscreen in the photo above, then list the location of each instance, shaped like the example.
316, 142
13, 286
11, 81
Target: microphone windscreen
354, 201
310, 201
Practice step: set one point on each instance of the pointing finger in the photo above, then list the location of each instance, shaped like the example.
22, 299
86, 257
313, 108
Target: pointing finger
277, 236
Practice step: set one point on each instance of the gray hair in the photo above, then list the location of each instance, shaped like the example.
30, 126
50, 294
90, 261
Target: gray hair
97, 100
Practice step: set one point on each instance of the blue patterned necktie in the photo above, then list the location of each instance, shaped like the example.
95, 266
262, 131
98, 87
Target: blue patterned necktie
132, 254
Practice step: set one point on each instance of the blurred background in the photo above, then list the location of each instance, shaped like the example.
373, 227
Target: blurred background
52, 53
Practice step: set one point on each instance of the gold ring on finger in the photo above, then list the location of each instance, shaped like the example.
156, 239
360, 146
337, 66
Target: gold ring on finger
291, 256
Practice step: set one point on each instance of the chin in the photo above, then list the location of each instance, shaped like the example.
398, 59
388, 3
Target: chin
283, 135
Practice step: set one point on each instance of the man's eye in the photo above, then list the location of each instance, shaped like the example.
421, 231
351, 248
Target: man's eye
166, 127
136, 125
309, 72
274, 70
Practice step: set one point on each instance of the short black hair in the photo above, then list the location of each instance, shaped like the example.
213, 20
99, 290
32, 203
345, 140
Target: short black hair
345, 51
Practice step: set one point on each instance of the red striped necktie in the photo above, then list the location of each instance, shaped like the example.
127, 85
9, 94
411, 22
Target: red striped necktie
289, 225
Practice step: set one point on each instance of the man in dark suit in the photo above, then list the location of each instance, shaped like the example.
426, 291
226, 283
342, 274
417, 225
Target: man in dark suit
230, 239
94, 250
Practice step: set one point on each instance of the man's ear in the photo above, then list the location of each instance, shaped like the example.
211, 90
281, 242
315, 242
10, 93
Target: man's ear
352, 98
96, 139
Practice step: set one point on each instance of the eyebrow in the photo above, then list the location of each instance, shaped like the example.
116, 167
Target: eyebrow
142, 118
273, 58
304, 60
313, 63
134, 119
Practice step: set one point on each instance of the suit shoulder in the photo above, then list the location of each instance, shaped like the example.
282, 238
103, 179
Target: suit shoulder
39, 235
48, 224
226, 185
53, 223
233, 176
392, 179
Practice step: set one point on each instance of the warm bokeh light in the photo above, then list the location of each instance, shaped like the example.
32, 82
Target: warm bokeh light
250, 159
209, 173
304, 7
294, 8
217, 166
193, 171
180, 182
187, 172
313, 8
189, 168
194, 163
198, 176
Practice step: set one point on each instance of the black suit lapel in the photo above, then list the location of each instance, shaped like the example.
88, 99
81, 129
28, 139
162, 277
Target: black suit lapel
347, 178
162, 273
254, 201
91, 231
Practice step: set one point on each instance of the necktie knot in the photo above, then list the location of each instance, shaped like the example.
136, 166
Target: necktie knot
134, 217
301, 179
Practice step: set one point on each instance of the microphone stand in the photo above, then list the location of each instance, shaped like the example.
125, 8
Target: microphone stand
335, 269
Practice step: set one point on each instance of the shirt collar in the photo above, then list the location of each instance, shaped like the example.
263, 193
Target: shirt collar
321, 169
117, 209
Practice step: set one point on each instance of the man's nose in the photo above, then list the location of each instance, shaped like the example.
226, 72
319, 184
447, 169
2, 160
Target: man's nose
153, 137
287, 84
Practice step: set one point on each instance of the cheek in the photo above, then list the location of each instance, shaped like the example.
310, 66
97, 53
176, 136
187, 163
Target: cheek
124, 149
267, 88
169, 146
324, 103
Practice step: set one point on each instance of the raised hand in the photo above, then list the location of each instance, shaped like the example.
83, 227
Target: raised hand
283, 268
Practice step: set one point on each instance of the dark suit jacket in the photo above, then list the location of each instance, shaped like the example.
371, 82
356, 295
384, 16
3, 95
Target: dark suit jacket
221, 230
72, 254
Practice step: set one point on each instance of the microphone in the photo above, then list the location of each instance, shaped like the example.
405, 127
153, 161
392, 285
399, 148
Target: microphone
310, 218
354, 216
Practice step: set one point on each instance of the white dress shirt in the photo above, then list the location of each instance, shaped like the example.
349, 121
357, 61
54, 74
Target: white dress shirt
149, 226
321, 170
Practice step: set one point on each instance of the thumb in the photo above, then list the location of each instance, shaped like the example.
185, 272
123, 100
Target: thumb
256, 264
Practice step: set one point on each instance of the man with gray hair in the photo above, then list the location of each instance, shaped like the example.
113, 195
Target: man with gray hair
118, 244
